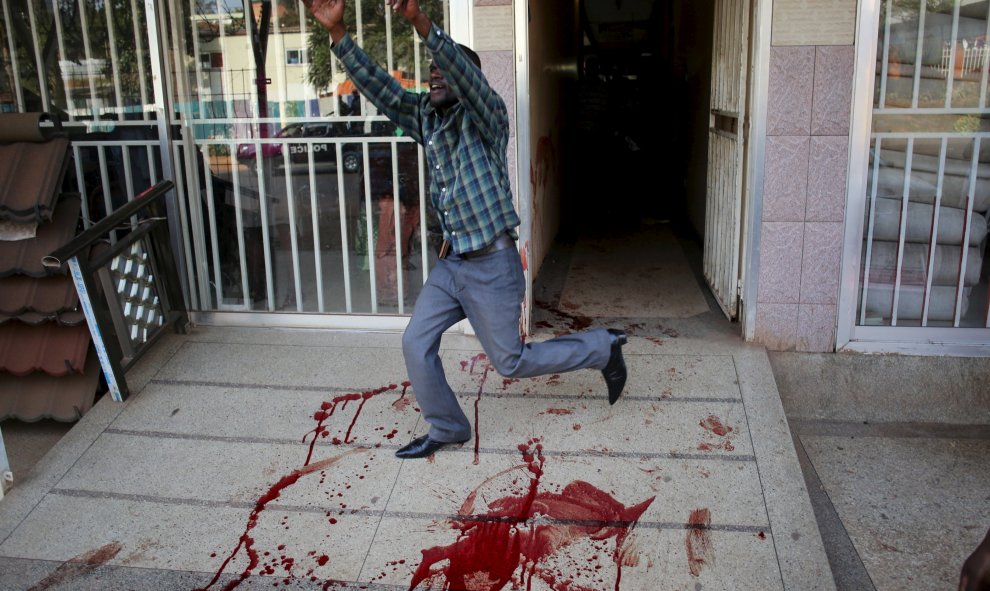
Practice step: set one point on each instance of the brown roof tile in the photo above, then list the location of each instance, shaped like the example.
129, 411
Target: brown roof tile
63, 318
53, 349
41, 396
30, 177
24, 256
20, 293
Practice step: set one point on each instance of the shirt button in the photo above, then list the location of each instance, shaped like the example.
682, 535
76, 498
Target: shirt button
430, 143
445, 213
443, 189
438, 167
453, 233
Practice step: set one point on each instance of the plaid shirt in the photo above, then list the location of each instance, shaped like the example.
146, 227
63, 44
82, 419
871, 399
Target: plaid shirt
465, 146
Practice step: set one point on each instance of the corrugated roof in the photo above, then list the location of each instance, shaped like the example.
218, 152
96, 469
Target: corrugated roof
24, 256
63, 318
30, 177
20, 293
53, 349
41, 396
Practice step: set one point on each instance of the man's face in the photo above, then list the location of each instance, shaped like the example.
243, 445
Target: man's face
441, 95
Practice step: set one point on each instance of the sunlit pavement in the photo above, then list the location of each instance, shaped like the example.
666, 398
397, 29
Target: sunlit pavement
258, 458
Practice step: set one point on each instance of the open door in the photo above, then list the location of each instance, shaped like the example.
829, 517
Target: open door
726, 144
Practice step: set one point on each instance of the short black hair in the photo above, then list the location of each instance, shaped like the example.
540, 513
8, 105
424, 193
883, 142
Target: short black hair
471, 54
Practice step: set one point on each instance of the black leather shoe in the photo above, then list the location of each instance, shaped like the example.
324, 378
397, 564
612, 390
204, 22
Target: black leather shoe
423, 447
615, 371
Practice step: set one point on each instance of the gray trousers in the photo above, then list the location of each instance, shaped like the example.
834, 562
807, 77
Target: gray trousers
487, 290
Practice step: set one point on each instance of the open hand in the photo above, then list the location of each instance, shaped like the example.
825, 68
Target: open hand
329, 13
409, 9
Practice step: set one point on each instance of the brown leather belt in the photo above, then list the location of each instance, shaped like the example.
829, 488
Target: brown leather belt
502, 242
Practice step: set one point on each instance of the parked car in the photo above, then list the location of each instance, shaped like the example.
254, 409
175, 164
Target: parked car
323, 153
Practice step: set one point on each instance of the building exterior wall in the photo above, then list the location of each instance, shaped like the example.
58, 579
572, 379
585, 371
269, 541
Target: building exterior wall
806, 163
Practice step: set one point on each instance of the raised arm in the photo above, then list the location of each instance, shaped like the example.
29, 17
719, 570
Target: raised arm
466, 79
371, 79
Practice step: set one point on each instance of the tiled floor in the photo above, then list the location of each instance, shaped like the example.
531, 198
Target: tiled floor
258, 458
215, 459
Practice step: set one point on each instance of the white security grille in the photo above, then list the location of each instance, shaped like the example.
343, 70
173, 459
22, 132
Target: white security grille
927, 203
293, 194
726, 141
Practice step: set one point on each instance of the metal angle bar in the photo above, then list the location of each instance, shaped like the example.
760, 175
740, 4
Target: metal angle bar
70, 106
239, 220
369, 230
950, 75
81, 183
266, 239
105, 183
985, 65
197, 63
342, 206
388, 41
282, 83
915, 91
902, 232
13, 57
114, 59
180, 200
290, 198
869, 231
315, 219
397, 212
885, 65
933, 237
139, 49
114, 378
84, 26
967, 226
423, 234
39, 64
214, 238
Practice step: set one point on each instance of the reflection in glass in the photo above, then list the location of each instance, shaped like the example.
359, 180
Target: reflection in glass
928, 195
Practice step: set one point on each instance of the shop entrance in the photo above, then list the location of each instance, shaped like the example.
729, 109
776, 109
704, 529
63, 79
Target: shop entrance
638, 163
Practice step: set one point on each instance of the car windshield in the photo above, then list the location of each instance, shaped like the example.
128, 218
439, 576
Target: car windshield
291, 131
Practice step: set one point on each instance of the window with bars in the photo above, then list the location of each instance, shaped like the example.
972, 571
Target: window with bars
924, 258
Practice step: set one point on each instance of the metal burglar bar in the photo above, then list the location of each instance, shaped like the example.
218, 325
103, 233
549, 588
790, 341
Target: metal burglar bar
292, 193
128, 293
928, 189
296, 198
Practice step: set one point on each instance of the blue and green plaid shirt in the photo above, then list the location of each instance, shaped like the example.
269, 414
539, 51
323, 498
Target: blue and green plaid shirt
465, 147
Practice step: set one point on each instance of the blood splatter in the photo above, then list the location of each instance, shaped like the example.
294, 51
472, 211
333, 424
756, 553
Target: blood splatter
558, 411
246, 541
516, 538
402, 403
469, 366
327, 410
79, 566
715, 425
576, 322
700, 552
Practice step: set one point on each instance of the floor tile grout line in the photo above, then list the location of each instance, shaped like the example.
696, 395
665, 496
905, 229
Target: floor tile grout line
461, 394
116, 414
482, 450
816, 483
391, 491
759, 477
422, 515
150, 569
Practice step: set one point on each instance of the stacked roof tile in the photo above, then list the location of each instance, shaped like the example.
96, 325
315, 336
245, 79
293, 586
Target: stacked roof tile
47, 366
